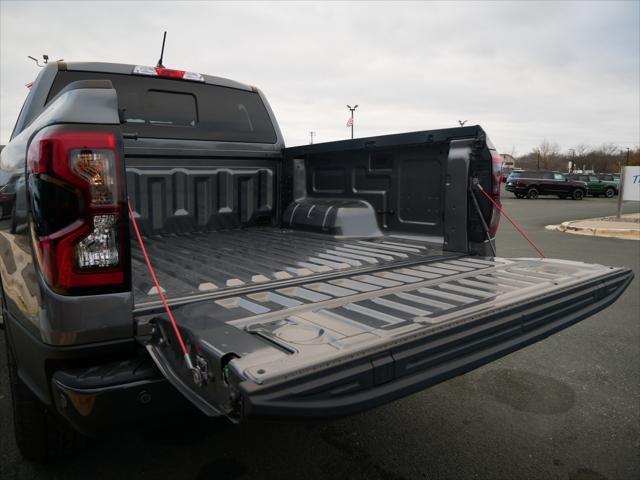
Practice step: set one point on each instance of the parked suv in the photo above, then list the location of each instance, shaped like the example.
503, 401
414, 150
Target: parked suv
595, 186
610, 177
601, 184
533, 183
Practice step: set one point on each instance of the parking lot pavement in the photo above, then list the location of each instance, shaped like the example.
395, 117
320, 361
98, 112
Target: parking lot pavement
565, 408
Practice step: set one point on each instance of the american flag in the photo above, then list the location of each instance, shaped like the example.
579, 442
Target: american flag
350, 122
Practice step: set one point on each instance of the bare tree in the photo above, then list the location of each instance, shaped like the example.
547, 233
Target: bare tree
548, 151
582, 149
602, 159
608, 149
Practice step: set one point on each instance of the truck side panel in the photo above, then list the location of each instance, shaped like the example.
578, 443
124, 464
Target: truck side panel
36, 316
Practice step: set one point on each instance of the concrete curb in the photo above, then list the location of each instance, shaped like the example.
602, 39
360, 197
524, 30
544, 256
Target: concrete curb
570, 227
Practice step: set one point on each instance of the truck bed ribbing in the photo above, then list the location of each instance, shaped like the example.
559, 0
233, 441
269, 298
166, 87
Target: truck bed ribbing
208, 263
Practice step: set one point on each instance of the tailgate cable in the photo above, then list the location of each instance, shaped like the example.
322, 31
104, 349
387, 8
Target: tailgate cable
183, 347
483, 221
499, 207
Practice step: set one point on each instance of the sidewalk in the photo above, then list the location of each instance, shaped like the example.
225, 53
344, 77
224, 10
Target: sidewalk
627, 227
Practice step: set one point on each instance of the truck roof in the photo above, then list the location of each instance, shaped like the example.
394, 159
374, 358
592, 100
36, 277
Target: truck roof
127, 69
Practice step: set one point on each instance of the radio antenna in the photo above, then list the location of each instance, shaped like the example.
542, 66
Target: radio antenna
162, 51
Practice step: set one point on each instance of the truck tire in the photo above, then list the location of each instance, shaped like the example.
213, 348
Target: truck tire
609, 192
532, 193
41, 435
577, 194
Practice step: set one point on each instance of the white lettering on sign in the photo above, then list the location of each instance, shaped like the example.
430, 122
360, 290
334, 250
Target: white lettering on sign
631, 188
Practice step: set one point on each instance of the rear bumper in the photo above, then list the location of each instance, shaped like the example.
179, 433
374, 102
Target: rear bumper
115, 396
418, 364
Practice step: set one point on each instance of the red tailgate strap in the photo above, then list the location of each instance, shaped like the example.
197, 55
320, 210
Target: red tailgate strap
160, 291
499, 207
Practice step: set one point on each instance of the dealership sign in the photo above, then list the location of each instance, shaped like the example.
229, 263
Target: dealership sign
631, 187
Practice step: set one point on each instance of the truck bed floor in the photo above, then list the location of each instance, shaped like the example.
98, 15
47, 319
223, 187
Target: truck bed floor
203, 262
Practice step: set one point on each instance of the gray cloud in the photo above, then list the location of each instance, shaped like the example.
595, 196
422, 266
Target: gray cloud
568, 72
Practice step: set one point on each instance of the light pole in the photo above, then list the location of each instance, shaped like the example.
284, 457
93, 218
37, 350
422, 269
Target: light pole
350, 122
311, 135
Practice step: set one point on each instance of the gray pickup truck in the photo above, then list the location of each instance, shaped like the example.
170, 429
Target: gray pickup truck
307, 282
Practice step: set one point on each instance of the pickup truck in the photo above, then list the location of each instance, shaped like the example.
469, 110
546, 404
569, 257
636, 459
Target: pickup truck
306, 282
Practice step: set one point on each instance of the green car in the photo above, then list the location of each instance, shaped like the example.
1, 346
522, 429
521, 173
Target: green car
597, 187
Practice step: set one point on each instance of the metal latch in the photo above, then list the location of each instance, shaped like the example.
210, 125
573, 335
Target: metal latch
200, 371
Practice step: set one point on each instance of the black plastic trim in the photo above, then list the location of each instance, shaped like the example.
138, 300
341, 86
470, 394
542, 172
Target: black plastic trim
112, 408
385, 141
37, 360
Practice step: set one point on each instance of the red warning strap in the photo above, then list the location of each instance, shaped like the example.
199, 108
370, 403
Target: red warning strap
499, 207
157, 285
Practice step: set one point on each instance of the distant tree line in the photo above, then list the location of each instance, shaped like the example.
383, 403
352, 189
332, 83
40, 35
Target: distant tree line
605, 158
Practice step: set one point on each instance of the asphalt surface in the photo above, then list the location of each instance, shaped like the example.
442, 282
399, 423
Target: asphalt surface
565, 408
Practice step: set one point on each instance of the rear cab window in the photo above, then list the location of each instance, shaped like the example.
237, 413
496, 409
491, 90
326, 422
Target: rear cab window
176, 109
166, 108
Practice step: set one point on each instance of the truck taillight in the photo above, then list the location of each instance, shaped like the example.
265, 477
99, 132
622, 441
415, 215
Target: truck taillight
496, 179
80, 243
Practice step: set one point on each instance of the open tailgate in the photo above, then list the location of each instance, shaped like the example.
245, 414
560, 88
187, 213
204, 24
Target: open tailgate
334, 347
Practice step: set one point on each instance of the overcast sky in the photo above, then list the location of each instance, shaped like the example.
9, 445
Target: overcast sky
525, 71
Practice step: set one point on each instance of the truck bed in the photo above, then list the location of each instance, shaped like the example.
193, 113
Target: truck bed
199, 264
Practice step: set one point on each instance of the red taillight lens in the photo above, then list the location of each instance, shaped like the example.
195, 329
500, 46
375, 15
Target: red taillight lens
169, 73
496, 179
83, 246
